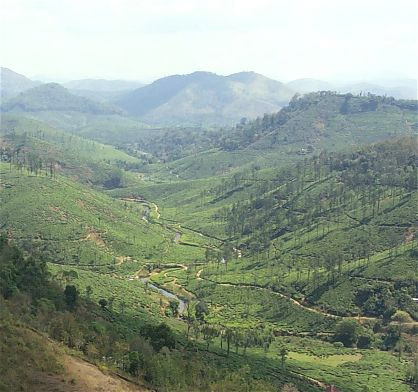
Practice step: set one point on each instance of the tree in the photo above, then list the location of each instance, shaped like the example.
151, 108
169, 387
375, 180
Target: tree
189, 317
89, 291
160, 336
209, 333
347, 332
412, 374
283, 353
122, 306
174, 307
110, 302
134, 363
103, 303
201, 310
229, 334
71, 296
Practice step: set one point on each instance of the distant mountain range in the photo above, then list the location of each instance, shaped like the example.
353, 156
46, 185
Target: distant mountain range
200, 98
204, 97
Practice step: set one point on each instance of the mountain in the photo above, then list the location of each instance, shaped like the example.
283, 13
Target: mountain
12, 83
54, 97
204, 97
309, 85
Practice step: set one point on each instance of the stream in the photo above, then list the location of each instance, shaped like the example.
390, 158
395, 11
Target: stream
167, 294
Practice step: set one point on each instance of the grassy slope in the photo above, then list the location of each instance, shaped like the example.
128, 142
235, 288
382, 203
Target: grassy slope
75, 224
80, 158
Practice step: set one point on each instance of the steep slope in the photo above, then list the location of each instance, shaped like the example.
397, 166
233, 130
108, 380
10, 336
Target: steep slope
36, 363
12, 83
54, 97
204, 97
70, 223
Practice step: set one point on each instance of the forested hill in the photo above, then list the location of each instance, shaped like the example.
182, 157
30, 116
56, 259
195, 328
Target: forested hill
306, 126
311, 118
54, 97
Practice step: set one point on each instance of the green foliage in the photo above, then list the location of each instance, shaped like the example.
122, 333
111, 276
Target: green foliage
18, 273
71, 296
347, 332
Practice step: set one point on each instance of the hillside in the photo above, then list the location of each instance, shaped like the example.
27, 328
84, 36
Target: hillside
54, 97
326, 242
306, 126
70, 223
28, 142
204, 97
29, 353
12, 83
276, 254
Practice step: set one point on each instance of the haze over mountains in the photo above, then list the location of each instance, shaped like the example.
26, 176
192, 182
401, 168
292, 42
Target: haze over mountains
54, 97
13, 83
207, 97
193, 99
102, 85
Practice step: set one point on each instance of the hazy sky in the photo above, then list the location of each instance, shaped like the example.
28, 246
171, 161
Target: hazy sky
147, 39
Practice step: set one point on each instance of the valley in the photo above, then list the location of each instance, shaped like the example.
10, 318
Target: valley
279, 253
